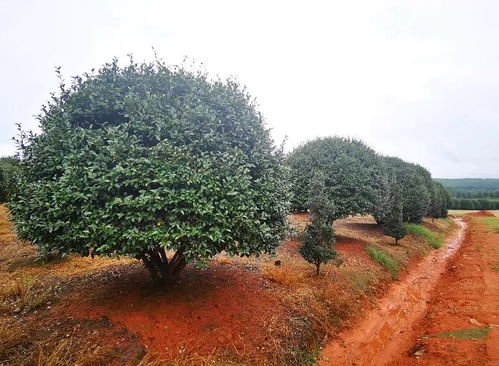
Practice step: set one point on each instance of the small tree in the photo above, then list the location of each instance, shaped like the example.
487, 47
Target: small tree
318, 241
394, 225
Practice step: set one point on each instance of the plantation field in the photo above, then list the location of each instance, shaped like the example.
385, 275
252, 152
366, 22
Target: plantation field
238, 311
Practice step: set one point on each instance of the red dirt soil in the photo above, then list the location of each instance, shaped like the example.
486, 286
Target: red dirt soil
424, 302
377, 337
466, 297
481, 214
224, 308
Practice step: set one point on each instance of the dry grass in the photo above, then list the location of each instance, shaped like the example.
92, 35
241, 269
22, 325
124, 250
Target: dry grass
13, 335
286, 275
66, 352
191, 360
25, 292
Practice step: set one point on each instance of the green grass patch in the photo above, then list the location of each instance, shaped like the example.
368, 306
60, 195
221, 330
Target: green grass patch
470, 333
492, 223
435, 241
384, 259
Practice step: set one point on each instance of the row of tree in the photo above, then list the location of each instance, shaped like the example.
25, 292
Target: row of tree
471, 204
146, 160
475, 194
356, 180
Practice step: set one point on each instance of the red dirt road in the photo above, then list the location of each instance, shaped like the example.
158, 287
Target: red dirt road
441, 293
466, 297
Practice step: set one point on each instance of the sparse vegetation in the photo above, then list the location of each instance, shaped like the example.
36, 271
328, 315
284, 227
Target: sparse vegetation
470, 333
384, 259
492, 223
434, 240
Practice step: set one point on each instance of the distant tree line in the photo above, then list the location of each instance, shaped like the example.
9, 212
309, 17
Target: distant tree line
475, 194
473, 204
470, 184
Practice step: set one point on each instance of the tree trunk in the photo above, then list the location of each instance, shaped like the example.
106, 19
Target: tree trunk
163, 270
396, 241
318, 268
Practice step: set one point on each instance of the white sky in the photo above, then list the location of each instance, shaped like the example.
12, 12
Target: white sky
415, 79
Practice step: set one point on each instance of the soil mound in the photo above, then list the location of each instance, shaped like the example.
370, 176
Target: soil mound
482, 214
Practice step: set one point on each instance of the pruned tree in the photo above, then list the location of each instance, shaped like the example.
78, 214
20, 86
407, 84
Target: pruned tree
349, 168
318, 240
152, 162
394, 225
416, 185
382, 203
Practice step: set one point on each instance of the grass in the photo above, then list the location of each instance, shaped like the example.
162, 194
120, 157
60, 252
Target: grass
435, 241
12, 337
284, 275
470, 333
25, 292
384, 259
492, 223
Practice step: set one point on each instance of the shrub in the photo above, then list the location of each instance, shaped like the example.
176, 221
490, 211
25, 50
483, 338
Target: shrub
143, 160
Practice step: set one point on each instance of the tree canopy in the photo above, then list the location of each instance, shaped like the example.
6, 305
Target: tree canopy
145, 159
349, 167
8, 170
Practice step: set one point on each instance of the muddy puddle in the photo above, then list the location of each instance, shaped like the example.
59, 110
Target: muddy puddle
384, 332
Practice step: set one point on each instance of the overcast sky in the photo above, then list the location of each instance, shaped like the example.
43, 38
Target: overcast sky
415, 79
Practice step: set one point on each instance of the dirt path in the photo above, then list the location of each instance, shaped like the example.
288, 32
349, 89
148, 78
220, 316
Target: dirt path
384, 332
464, 303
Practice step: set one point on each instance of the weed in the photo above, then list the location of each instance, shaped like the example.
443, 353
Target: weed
360, 281
308, 356
435, 241
470, 333
384, 259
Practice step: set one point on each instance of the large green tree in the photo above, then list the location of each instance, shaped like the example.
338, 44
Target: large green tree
349, 167
416, 186
157, 163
